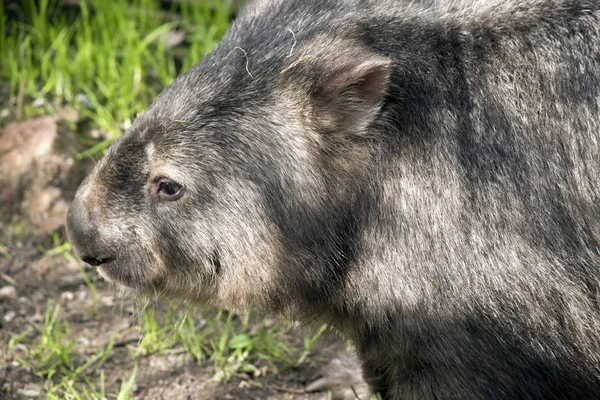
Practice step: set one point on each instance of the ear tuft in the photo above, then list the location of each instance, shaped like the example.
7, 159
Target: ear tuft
351, 99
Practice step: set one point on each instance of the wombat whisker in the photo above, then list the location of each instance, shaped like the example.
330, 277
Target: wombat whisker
294, 44
245, 55
292, 65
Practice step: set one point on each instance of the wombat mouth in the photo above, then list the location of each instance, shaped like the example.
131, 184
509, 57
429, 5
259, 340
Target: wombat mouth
101, 264
106, 271
96, 262
114, 272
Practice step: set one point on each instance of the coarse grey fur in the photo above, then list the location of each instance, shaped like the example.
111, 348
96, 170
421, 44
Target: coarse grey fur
423, 175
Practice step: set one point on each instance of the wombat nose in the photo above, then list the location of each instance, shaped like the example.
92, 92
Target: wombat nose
78, 226
82, 232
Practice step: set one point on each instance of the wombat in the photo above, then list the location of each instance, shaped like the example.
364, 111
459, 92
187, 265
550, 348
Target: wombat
422, 175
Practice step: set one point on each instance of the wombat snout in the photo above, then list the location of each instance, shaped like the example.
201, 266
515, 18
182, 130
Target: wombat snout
83, 231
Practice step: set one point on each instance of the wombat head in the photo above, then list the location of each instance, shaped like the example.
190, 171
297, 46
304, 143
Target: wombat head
237, 185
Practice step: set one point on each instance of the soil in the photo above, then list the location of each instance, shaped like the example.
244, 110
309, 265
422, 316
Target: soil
38, 176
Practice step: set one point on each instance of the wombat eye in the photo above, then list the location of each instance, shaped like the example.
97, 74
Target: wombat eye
169, 190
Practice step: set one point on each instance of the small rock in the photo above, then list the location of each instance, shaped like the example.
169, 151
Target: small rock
260, 372
124, 324
9, 316
37, 317
30, 390
318, 385
39, 102
47, 209
8, 292
38, 296
95, 134
128, 338
19, 350
67, 296
82, 295
244, 385
85, 101
107, 301
173, 38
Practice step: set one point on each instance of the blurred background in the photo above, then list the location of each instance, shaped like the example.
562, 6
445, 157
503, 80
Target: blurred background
74, 74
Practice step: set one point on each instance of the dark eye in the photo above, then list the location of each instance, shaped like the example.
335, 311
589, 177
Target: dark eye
169, 190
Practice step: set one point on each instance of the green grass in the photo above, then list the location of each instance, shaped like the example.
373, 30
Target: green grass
53, 358
54, 353
109, 61
5, 253
158, 336
71, 389
236, 346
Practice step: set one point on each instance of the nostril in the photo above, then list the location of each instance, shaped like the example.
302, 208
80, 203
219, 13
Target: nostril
95, 261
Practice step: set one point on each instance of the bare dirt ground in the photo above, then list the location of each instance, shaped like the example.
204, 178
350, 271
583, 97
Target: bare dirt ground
38, 177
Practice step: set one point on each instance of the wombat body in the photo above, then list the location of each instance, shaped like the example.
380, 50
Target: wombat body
422, 175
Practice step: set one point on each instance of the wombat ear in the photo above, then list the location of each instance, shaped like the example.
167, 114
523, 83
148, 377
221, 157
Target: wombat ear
352, 97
